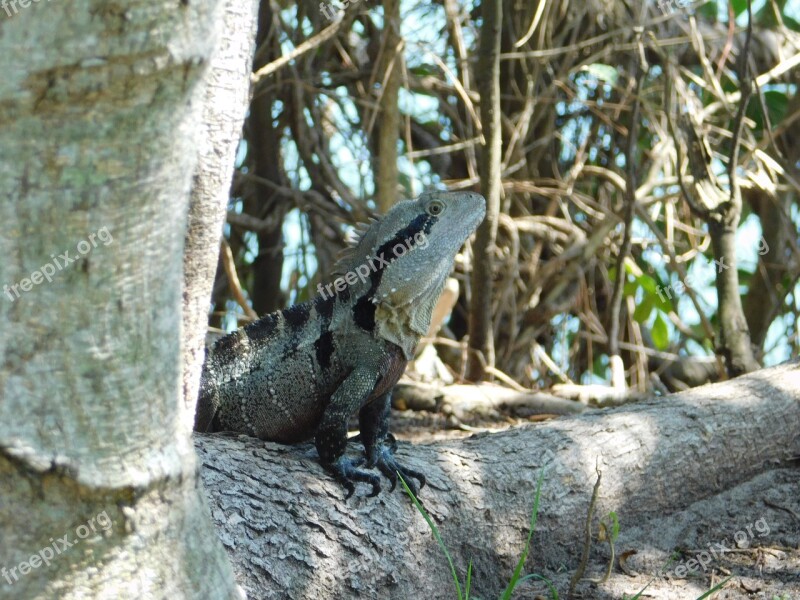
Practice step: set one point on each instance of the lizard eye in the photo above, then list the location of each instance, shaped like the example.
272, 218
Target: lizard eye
435, 208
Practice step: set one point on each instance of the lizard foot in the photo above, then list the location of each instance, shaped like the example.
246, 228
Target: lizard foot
345, 472
382, 456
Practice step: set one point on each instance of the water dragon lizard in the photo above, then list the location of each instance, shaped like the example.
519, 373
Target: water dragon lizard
304, 371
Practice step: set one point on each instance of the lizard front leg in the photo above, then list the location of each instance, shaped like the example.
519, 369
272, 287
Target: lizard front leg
331, 435
380, 445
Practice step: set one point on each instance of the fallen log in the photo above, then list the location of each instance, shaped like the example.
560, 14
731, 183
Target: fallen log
470, 402
291, 534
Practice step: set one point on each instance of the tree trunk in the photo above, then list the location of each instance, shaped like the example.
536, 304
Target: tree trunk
291, 534
776, 273
389, 71
264, 158
99, 123
227, 95
721, 210
481, 339
734, 335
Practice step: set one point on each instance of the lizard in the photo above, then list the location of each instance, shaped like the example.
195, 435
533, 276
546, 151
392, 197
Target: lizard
302, 372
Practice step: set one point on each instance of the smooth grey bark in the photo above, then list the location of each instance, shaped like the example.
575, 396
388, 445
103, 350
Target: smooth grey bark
226, 101
99, 111
291, 534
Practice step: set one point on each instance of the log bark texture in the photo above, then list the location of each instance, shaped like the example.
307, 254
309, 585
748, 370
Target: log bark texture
290, 533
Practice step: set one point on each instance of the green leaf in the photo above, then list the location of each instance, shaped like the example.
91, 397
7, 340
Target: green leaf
602, 72
660, 293
424, 70
744, 277
643, 309
739, 6
664, 301
660, 333
791, 23
598, 368
615, 525
469, 580
776, 104
708, 11
648, 283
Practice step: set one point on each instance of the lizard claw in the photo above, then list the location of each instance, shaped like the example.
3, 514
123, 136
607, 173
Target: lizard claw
382, 456
345, 472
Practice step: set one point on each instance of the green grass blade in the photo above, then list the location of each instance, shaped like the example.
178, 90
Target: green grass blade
469, 580
435, 531
673, 557
553, 590
521, 563
641, 591
614, 525
716, 588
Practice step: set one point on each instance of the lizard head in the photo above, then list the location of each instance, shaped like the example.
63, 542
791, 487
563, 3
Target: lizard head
403, 260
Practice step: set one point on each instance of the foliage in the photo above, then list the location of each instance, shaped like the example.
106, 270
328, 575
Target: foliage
306, 170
